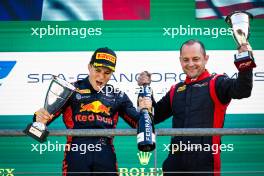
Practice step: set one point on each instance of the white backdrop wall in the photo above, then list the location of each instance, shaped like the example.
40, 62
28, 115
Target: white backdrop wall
23, 91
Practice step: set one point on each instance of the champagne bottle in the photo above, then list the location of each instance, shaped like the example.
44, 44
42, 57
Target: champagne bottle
146, 138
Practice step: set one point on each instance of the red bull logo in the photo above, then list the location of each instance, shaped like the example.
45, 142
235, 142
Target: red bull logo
93, 117
96, 107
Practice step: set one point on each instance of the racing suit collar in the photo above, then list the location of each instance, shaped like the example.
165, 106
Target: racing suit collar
204, 75
88, 84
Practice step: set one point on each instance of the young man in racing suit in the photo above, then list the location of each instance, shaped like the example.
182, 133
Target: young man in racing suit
93, 106
198, 102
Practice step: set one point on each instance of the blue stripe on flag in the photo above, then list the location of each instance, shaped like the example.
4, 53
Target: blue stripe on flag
20, 10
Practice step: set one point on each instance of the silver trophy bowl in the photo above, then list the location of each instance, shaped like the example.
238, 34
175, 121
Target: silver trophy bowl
57, 95
239, 21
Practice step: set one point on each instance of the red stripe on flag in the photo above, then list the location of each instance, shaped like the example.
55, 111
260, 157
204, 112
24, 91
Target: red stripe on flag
259, 16
126, 9
238, 6
202, 5
229, 9
209, 18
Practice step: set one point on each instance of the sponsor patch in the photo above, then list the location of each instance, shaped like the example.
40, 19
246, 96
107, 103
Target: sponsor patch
106, 56
182, 88
83, 91
201, 85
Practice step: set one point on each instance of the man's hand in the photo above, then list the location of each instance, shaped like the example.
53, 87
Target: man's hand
145, 103
144, 78
43, 116
244, 47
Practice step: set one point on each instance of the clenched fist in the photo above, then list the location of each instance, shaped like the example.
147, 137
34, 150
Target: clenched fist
43, 116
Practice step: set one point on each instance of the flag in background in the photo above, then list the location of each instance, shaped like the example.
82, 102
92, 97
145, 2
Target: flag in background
65, 10
213, 9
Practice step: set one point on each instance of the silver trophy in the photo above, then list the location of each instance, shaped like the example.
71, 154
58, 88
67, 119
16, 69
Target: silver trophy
239, 21
57, 95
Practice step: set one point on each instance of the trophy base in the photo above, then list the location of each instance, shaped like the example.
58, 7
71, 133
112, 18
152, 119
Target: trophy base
37, 134
244, 61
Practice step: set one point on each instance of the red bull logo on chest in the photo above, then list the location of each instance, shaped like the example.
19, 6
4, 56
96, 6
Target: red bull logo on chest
95, 107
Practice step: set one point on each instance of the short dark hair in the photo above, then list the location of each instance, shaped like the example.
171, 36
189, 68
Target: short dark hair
191, 42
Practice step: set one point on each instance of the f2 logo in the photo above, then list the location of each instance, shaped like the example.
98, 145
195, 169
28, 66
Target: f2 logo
6, 172
5, 68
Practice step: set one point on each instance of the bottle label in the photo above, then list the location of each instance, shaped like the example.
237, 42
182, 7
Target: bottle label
140, 138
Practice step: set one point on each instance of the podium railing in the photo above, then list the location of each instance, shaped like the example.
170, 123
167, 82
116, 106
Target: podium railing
132, 132
159, 132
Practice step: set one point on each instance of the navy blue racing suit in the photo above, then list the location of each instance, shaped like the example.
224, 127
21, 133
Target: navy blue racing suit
91, 109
